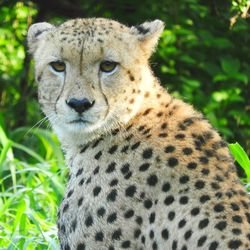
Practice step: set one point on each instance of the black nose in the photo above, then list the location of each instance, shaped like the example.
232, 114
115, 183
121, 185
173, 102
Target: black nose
80, 105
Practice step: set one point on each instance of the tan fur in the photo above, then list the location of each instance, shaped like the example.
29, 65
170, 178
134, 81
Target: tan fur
146, 170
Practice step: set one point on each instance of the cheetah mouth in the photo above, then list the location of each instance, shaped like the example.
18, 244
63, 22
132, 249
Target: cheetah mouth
79, 121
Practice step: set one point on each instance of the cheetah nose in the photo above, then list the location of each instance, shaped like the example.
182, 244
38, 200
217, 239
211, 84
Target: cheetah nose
80, 105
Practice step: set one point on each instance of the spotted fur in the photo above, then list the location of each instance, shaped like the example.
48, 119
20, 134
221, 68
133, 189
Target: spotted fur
146, 170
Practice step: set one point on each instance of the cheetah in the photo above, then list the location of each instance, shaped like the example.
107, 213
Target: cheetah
146, 171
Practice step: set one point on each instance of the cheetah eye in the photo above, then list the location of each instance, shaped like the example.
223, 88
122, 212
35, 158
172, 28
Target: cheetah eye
58, 66
108, 66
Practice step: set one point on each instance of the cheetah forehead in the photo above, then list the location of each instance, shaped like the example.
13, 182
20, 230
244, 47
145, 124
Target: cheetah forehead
92, 28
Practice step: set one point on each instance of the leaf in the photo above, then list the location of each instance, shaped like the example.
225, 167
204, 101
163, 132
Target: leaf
241, 157
230, 65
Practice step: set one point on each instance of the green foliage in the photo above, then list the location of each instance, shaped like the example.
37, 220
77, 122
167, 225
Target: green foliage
203, 57
31, 190
241, 157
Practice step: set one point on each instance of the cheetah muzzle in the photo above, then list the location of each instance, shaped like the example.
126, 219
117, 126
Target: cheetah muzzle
146, 170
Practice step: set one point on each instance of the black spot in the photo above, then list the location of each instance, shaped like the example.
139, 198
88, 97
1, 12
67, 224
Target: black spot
152, 218
101, 211
84, 149
169, 149
137, 233
80, 201
79, 172
218, 208
192, 165
248, 217
188, 234
81, 182
234, 244
130, 191
143, 239
130, 213
187, 151
180, 136
164, 125
80, 246
184, 179
147, 153
151, 234
221, 225
237, 219
174, 245
89, 221
141, 29
98, 155
204, 198
66, 207
70, 193
97, 142
125, 149
154, 246
117, 234
203, 160
135, 146
152, 180
96, 190
99, 236
125, 168
139, 220
183, 200
215, 185
187, 122
88, 180
96, 171
128, 175
113, 183
165, 234
111, 218
201, 241
66, 247
112, 195
125, 244
166, 187
113, 149
169, 200
203, 223
213, 245
184, 247
171, 215
115, 131
141, 128
63, 229
144, 167
199, 184
195, 211
205, 171
182, 223
111, 167
148, 204
236, 231
163, 135
172, 162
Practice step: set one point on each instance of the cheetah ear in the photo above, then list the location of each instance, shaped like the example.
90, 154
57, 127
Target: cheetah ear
35, 33
148, 34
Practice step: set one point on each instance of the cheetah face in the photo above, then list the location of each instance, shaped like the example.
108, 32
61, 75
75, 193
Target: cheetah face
90, 72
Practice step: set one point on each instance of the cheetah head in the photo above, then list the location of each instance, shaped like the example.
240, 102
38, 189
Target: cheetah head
91, 73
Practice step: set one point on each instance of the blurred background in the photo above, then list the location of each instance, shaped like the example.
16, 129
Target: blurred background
203, 57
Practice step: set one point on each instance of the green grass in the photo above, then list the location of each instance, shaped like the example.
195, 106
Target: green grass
31, 188
32, 180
